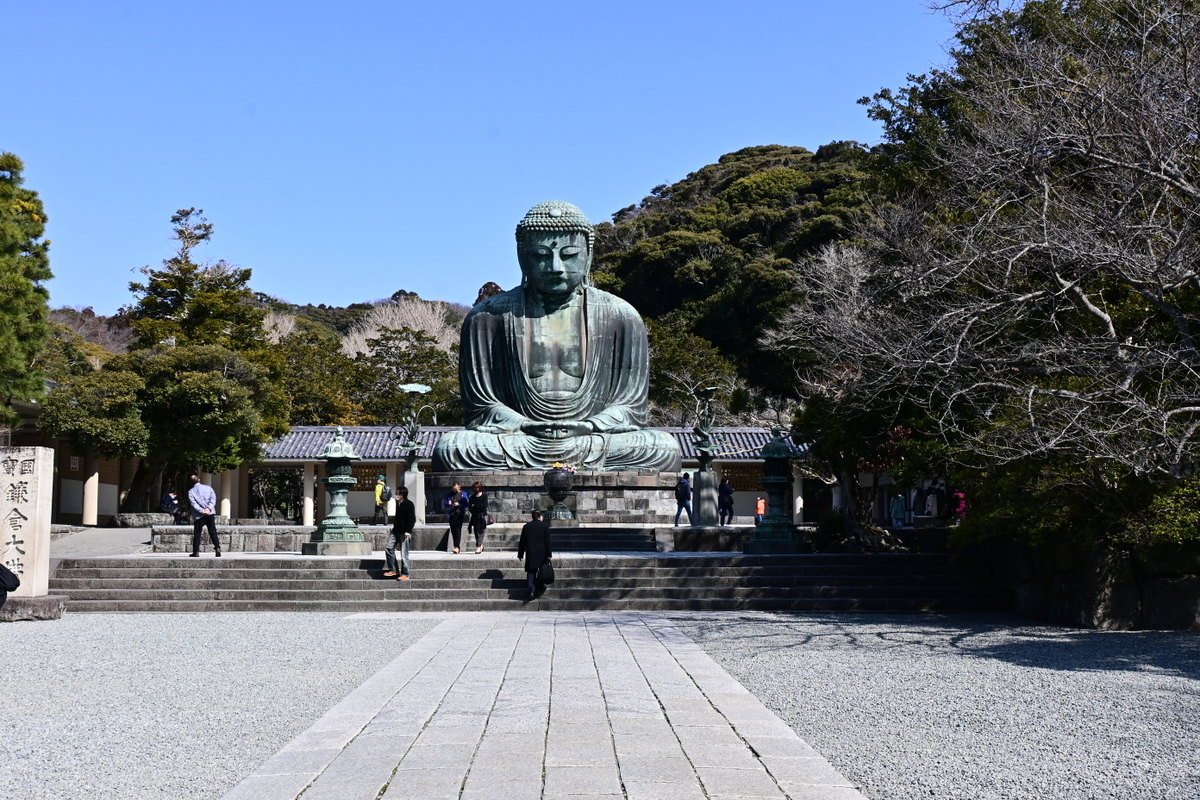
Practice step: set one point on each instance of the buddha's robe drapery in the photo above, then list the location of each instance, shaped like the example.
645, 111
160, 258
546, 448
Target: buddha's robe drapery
500, 357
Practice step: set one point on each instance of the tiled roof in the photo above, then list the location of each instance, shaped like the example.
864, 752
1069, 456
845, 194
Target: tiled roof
306, 442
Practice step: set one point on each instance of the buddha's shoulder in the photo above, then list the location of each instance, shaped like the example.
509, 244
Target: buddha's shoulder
600, 297
497, 305
512, 302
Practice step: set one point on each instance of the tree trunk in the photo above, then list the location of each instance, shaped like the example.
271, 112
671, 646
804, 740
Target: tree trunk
862, 535
146, 479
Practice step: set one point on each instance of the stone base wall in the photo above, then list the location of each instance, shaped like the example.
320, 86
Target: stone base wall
45, 606
252, 538
1099, 585
633, 497
144, 519
291, 538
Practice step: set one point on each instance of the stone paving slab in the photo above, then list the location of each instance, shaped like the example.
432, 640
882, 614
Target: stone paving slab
546, 706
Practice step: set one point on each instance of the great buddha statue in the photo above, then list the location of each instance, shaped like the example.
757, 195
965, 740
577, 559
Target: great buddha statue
554, 370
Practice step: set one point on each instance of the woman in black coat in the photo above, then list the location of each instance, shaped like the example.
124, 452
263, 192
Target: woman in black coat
534, 547
477, 504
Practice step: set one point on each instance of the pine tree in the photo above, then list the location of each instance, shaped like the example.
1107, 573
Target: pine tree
186, 303
24, 264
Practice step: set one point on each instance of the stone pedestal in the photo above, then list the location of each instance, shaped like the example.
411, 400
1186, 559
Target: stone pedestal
26, 488
632, 498
709, 538
20, 609
704, 494
326, 548
414, 481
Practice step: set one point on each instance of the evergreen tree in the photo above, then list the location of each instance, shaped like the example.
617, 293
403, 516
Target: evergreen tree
713, 254
24, 264
199, 390
318, 377
187, 303
399, 356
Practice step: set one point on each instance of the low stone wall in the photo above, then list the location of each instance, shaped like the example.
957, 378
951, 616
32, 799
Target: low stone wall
1099, 586
144, 519
282, 538
704, 539
632, 497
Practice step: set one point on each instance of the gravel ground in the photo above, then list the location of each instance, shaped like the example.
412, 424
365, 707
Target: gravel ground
158, 706
976, 707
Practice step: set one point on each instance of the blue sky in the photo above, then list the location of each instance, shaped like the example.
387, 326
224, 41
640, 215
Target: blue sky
346, 150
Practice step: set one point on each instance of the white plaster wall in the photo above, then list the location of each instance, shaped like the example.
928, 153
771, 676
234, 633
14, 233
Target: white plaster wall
109, 502
361, 504
743, 503
71, 501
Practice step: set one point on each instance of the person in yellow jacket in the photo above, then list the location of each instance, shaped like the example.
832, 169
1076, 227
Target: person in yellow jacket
381, 500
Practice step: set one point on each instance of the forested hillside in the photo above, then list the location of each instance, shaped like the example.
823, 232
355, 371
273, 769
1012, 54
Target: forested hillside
709, 261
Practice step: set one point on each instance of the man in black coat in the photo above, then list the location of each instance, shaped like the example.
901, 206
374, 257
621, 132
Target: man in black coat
534, 547
402, 529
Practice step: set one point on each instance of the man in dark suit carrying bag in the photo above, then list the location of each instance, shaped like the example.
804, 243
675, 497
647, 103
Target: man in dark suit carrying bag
534, 547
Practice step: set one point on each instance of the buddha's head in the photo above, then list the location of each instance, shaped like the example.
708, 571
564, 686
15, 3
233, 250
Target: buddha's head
554, 246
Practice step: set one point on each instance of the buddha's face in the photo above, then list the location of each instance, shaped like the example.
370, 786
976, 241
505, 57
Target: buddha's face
555, 264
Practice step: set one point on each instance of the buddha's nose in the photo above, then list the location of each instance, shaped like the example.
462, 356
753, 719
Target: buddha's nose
556, 264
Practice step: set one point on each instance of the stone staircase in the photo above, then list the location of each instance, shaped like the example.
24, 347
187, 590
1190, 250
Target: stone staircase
506, 537
701, 582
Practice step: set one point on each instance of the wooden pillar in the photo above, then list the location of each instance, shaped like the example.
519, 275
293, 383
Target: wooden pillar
307, 516
797, 497
391, 475
91, 490
225, 493
243, 491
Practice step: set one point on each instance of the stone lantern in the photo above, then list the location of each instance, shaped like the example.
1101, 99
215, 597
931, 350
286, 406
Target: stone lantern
337, 535
776, 533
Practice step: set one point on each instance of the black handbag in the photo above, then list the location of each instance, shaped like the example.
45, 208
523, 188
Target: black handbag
546, 574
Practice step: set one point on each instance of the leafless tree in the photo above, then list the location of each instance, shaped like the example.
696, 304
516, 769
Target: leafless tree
111, 333
429, 317
1048, 300
278, 326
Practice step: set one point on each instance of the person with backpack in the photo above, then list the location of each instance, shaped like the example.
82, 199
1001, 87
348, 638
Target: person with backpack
683, 498
383, 493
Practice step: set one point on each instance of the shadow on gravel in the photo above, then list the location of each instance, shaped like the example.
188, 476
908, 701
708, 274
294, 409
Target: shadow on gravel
997, 637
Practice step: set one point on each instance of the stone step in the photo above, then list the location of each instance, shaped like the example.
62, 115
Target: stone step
549, 602
401, 591
348, 578
73, 582
712, 582
900, 561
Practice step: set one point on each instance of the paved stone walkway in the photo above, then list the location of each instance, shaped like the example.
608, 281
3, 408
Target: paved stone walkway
509, 706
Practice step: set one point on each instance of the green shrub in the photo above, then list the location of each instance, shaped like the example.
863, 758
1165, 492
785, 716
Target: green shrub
1172, 516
